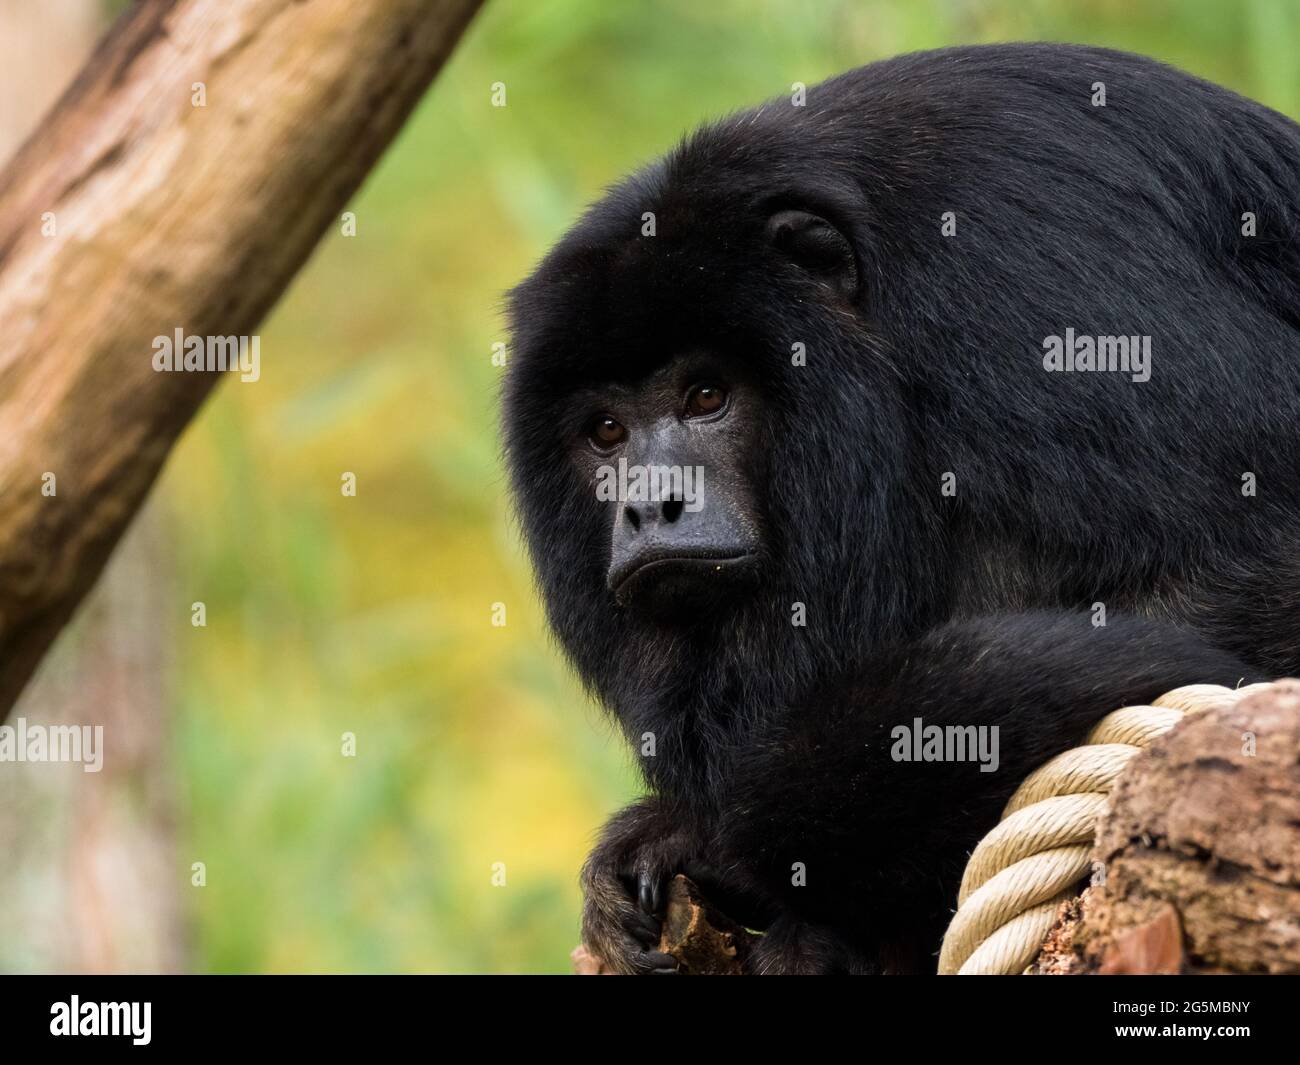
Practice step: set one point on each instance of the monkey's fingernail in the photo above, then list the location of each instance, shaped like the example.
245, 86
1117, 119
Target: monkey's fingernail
645, 928
649, 893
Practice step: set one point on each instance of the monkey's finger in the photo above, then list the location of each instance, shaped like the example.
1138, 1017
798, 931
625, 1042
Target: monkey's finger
705, 875
657, 963
643, 927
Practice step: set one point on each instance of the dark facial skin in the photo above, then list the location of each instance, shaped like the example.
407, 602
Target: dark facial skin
673, 555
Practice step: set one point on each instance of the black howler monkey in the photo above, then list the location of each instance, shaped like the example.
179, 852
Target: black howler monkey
851, 315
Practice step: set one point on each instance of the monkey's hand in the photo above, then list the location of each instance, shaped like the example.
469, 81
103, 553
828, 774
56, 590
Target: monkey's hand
624, 886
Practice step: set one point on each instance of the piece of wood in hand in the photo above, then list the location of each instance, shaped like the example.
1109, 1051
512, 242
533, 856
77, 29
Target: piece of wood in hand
704, 941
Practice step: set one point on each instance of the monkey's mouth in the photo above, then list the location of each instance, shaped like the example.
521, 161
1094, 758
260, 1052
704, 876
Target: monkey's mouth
676, 577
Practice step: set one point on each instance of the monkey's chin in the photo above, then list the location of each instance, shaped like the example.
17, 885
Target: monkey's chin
680, 590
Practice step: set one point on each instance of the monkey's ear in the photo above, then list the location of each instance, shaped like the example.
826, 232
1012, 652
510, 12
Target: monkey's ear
817, 246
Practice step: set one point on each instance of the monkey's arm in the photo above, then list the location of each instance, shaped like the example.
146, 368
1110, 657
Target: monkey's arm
827, 818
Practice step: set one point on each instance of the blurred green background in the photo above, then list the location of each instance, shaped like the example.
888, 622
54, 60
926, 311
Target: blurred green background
373, 614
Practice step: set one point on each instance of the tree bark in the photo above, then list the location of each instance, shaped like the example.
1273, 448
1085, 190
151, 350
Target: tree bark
1201, 852
132, 213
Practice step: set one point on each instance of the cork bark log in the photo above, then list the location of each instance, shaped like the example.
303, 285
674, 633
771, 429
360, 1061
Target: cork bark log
1201, 852
132, 212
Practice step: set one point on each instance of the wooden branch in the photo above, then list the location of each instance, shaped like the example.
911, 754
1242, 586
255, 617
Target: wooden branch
132, 212
1201, 851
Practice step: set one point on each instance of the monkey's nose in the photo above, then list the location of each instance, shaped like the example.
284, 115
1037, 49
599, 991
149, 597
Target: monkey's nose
653, 513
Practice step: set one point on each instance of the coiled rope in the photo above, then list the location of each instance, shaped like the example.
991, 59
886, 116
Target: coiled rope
1036, 857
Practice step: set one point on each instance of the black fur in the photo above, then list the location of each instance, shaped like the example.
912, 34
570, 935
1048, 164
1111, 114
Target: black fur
924, 356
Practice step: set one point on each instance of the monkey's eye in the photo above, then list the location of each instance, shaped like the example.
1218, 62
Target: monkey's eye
606, 433
703, 400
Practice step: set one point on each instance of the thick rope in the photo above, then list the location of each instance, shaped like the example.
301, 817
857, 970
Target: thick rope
1037, 856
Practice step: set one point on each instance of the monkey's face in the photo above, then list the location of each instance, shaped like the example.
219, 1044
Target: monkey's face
673, 460
700, 435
